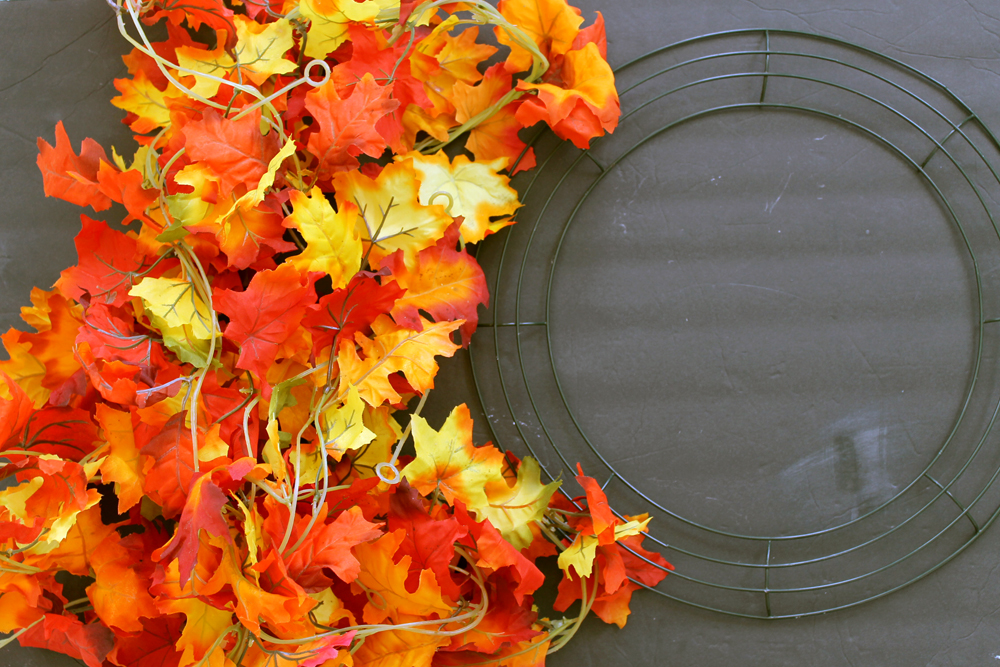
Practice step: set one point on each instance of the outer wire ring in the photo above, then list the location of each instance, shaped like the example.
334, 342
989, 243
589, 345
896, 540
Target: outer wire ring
755, 601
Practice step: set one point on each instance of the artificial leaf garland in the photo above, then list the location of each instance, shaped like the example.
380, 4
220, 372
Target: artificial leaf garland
227, 373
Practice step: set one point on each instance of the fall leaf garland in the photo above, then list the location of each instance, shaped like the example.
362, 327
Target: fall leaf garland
227, 371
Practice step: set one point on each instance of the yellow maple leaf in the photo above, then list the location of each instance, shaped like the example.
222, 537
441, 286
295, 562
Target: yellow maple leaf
633, 527
333, 245
256, 196
474, 190
329, 20
260, 48
13, 498
342, 427
579, 555
189, 208
176, 303
511, 510
395, 349
391, 215
448, 461
330, 609
272, 450
387, 433
215, 63
141, 97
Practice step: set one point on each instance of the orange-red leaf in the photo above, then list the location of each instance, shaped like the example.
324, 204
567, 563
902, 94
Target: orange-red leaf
153, 647
429, 542
125, 187
119, 595
327, 545
70, 176
15, 408
202, 511
263, 317
386, 578
169, 466
108, 268
123, 465
347, 125
446, 283
585, 107
497, 136
235, 150
252, 603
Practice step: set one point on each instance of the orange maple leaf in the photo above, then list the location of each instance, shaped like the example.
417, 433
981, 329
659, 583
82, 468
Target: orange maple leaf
585, 108
347, 125
120, 597
394, 350
446, 283
386, 580
552, 24
70, 176
123, 465
235, 150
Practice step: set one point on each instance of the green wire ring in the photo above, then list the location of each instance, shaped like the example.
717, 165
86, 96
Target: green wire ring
712, 588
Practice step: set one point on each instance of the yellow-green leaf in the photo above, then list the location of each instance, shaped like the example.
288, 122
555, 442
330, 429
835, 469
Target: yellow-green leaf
512, 509
343, 426
474, 190
176, 303
260, 48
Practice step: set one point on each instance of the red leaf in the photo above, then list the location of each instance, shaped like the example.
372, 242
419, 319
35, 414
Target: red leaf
202, 511
66, 634
70, 176
430, 543
168, 478
265, 315
339, 315
109, 264
234, 149
154, 647
347, 125
65, 432
327, 545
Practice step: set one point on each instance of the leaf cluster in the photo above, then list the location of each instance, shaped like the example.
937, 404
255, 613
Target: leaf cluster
203, 423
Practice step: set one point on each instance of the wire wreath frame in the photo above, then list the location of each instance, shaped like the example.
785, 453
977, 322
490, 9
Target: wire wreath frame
930, 519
